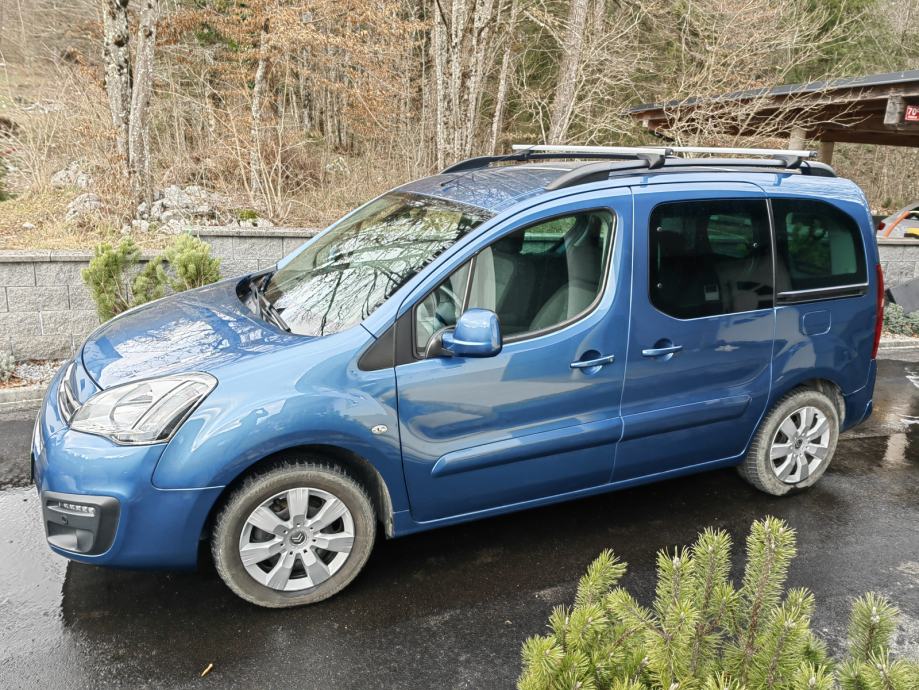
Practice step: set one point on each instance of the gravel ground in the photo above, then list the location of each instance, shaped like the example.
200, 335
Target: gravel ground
32, 371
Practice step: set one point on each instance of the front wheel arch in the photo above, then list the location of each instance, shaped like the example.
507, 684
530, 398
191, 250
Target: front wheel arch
358, 467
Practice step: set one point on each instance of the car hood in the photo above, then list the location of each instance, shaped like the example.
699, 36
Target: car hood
198, 330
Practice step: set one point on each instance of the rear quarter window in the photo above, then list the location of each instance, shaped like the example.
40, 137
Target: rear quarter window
818, 246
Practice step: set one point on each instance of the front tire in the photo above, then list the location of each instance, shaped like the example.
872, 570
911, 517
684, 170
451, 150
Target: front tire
294, 535
794, 444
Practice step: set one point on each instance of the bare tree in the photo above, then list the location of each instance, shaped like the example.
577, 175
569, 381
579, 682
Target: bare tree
612, 55
142, 89
462, 44
507, 57
263, 66
743, 47
566, 86
117, 58
130, 86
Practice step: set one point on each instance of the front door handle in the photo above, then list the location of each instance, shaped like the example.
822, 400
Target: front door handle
661, 351
590, 363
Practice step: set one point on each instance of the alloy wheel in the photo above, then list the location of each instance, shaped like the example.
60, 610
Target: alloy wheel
297, 539
800, 445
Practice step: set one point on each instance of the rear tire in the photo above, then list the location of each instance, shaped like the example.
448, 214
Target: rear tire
305, 530
794, 444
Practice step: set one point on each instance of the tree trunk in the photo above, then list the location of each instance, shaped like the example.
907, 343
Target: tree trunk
566, 87
117, 58
480, 54
462, 57
497, 120
142, 89
258, 93
440, 50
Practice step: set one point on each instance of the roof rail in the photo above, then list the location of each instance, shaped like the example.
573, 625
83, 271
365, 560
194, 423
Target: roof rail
792, 158
574, 151
623, 159
595, 172
523, 156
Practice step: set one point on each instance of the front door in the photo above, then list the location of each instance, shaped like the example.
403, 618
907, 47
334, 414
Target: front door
700, 344
529, 423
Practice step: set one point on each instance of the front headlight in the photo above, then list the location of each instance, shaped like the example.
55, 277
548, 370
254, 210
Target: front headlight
143, 412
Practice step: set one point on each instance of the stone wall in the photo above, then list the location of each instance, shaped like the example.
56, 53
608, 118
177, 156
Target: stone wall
46, 310
899, 260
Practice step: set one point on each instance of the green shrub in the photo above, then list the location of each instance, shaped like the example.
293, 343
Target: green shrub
190, 263
107, 277
150, 283
186, 263
7, 366
247, 214
703, 633
898, 323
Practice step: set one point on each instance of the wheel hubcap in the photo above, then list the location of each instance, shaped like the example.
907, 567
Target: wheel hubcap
296, 539
800, 445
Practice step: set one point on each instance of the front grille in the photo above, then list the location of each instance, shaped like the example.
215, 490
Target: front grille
66, 400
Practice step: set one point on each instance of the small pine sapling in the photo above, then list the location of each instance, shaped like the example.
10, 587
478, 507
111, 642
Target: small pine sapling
150, 283
107, 277
190, 263
702, 633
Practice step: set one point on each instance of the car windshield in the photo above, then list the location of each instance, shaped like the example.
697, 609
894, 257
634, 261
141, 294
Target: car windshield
342, 277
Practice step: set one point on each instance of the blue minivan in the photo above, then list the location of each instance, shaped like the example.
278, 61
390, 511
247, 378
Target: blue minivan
515, 331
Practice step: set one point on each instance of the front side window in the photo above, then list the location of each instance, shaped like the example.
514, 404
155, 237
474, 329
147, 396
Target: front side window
710, 257
534, 279
817, 246
342, 277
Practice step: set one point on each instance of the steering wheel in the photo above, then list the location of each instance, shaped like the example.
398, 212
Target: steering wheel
433, 308
428, 315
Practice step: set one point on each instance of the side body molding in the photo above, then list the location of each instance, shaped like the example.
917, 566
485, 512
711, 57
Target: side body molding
530, 446
684, 416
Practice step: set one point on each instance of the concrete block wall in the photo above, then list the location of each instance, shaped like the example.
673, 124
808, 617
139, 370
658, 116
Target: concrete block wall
899, 260
46, 311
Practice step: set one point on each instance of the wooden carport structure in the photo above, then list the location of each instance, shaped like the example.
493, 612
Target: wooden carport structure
873, 109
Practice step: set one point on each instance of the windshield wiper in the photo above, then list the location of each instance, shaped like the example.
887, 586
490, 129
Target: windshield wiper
266, 309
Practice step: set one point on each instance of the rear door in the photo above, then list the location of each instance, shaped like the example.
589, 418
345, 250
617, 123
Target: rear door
701, 334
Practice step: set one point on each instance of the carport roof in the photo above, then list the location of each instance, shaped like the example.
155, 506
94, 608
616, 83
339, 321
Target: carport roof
869, 109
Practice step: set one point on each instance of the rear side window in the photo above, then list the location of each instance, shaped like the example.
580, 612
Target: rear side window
817, 246
710, 257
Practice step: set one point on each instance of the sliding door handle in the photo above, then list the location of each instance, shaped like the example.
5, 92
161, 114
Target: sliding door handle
661, 351
590, 363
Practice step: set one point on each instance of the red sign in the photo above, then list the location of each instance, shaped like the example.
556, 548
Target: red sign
912, 113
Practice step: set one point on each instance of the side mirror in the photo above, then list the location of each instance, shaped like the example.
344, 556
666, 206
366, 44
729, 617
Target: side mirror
477, 334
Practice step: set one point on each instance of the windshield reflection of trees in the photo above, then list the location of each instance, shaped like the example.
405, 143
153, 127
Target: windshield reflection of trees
342, 279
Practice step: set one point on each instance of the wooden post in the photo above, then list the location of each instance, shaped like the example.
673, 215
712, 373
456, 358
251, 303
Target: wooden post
796, 138
896, 106
826, 151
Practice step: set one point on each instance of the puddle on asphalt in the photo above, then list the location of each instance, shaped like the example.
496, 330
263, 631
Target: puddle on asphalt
31, 578
895, 453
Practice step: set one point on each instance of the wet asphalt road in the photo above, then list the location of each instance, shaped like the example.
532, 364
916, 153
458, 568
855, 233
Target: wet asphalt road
449, 609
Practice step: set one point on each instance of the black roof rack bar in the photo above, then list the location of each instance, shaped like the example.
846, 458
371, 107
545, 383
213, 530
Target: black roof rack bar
595, 172
526, 156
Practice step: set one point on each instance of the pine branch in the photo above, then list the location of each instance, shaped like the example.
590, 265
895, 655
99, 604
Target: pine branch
770, 548
871, 625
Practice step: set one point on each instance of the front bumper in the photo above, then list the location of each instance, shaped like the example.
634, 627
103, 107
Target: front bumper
134, 524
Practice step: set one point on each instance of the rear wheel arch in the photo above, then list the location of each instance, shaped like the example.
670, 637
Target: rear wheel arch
829, 388
360, 469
